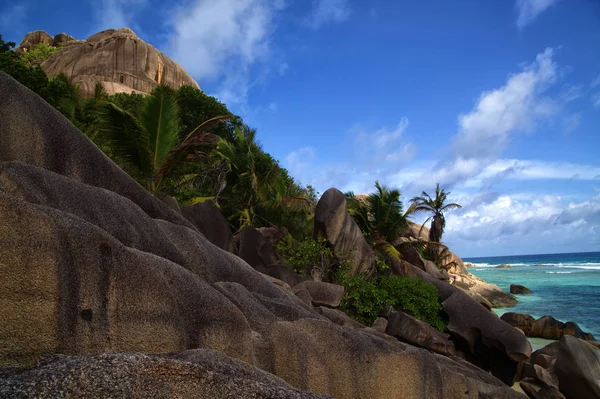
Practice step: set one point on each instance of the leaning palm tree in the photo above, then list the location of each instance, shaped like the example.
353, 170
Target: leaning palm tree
380, 218
436, 207
151, 141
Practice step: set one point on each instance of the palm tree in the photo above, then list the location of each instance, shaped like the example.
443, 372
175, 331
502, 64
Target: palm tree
250, 173
151, 141
380, 218
436, 207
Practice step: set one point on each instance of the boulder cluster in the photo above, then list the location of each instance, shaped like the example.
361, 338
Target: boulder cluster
108, 291
546, 327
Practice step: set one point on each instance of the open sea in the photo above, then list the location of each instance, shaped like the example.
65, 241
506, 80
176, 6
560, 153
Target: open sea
565, 286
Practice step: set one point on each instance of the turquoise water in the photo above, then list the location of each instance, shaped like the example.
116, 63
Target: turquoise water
565, 286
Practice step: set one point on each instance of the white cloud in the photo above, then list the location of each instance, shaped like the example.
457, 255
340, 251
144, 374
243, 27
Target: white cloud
116, 14
515, 107
222, 40
12, 18
272, 107
505, 220
298, 161
595, 82
383, 144
572, 92
528, 10
327, 11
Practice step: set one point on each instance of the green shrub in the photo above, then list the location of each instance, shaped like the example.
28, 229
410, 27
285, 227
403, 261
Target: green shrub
37, 54
306, 255
366, 298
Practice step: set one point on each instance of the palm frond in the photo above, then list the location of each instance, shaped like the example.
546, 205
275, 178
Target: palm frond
128, 138
160, 119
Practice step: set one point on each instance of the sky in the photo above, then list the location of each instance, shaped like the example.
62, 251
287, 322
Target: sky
497, 100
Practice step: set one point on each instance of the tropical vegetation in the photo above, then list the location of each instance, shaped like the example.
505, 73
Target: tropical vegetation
186, 144
435, 207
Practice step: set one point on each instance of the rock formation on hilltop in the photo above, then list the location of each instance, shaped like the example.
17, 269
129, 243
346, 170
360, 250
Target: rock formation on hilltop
92, 263
118, 59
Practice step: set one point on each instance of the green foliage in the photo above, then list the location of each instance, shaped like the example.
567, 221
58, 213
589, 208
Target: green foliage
365, 298
196, 107
436, 207
380, 218
37, 54
306, 255
5, 46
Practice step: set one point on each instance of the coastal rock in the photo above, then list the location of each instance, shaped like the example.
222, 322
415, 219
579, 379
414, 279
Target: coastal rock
410, 254
497, 297
380, 324
118, 59
519, 289
286, 274
493, 344
504, 266
324, 294
334, 223
109, 267
172, 203
338, 317
209, 221
546, 327
255, 249
578, 368
200, 373
416, 332
523, 322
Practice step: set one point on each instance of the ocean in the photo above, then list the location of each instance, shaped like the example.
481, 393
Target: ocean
565, 286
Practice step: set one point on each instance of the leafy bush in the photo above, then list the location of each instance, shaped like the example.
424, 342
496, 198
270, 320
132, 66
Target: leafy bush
306, 255
366, 298
37, 54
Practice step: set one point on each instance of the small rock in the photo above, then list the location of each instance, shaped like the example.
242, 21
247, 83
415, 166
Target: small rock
519, 289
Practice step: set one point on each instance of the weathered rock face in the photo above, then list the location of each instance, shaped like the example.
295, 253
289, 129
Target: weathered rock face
324, 294
33, 38
522, 321
207, 218
572, 365
109, 267
255, 249
118, 59
493, 344
519, 289
197, 373
334, 223
409, 329
546, 327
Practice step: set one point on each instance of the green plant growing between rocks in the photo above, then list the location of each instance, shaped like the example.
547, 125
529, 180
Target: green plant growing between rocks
366, 298
304, 256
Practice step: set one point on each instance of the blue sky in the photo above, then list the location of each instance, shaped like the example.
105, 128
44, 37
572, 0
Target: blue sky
497, 100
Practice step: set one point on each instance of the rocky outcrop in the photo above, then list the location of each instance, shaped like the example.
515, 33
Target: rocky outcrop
413, 331
255, 249
324, 294
546, 327
571, 366
209, 221
109, 267
504, 266
488, 341
334, 223
118, 59
522, 321
197, 373
34, 38
519, 289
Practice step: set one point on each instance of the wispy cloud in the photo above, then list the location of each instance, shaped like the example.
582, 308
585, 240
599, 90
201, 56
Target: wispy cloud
324, 12
283, 68
116, 14
528, 10
223, 40
383, 145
